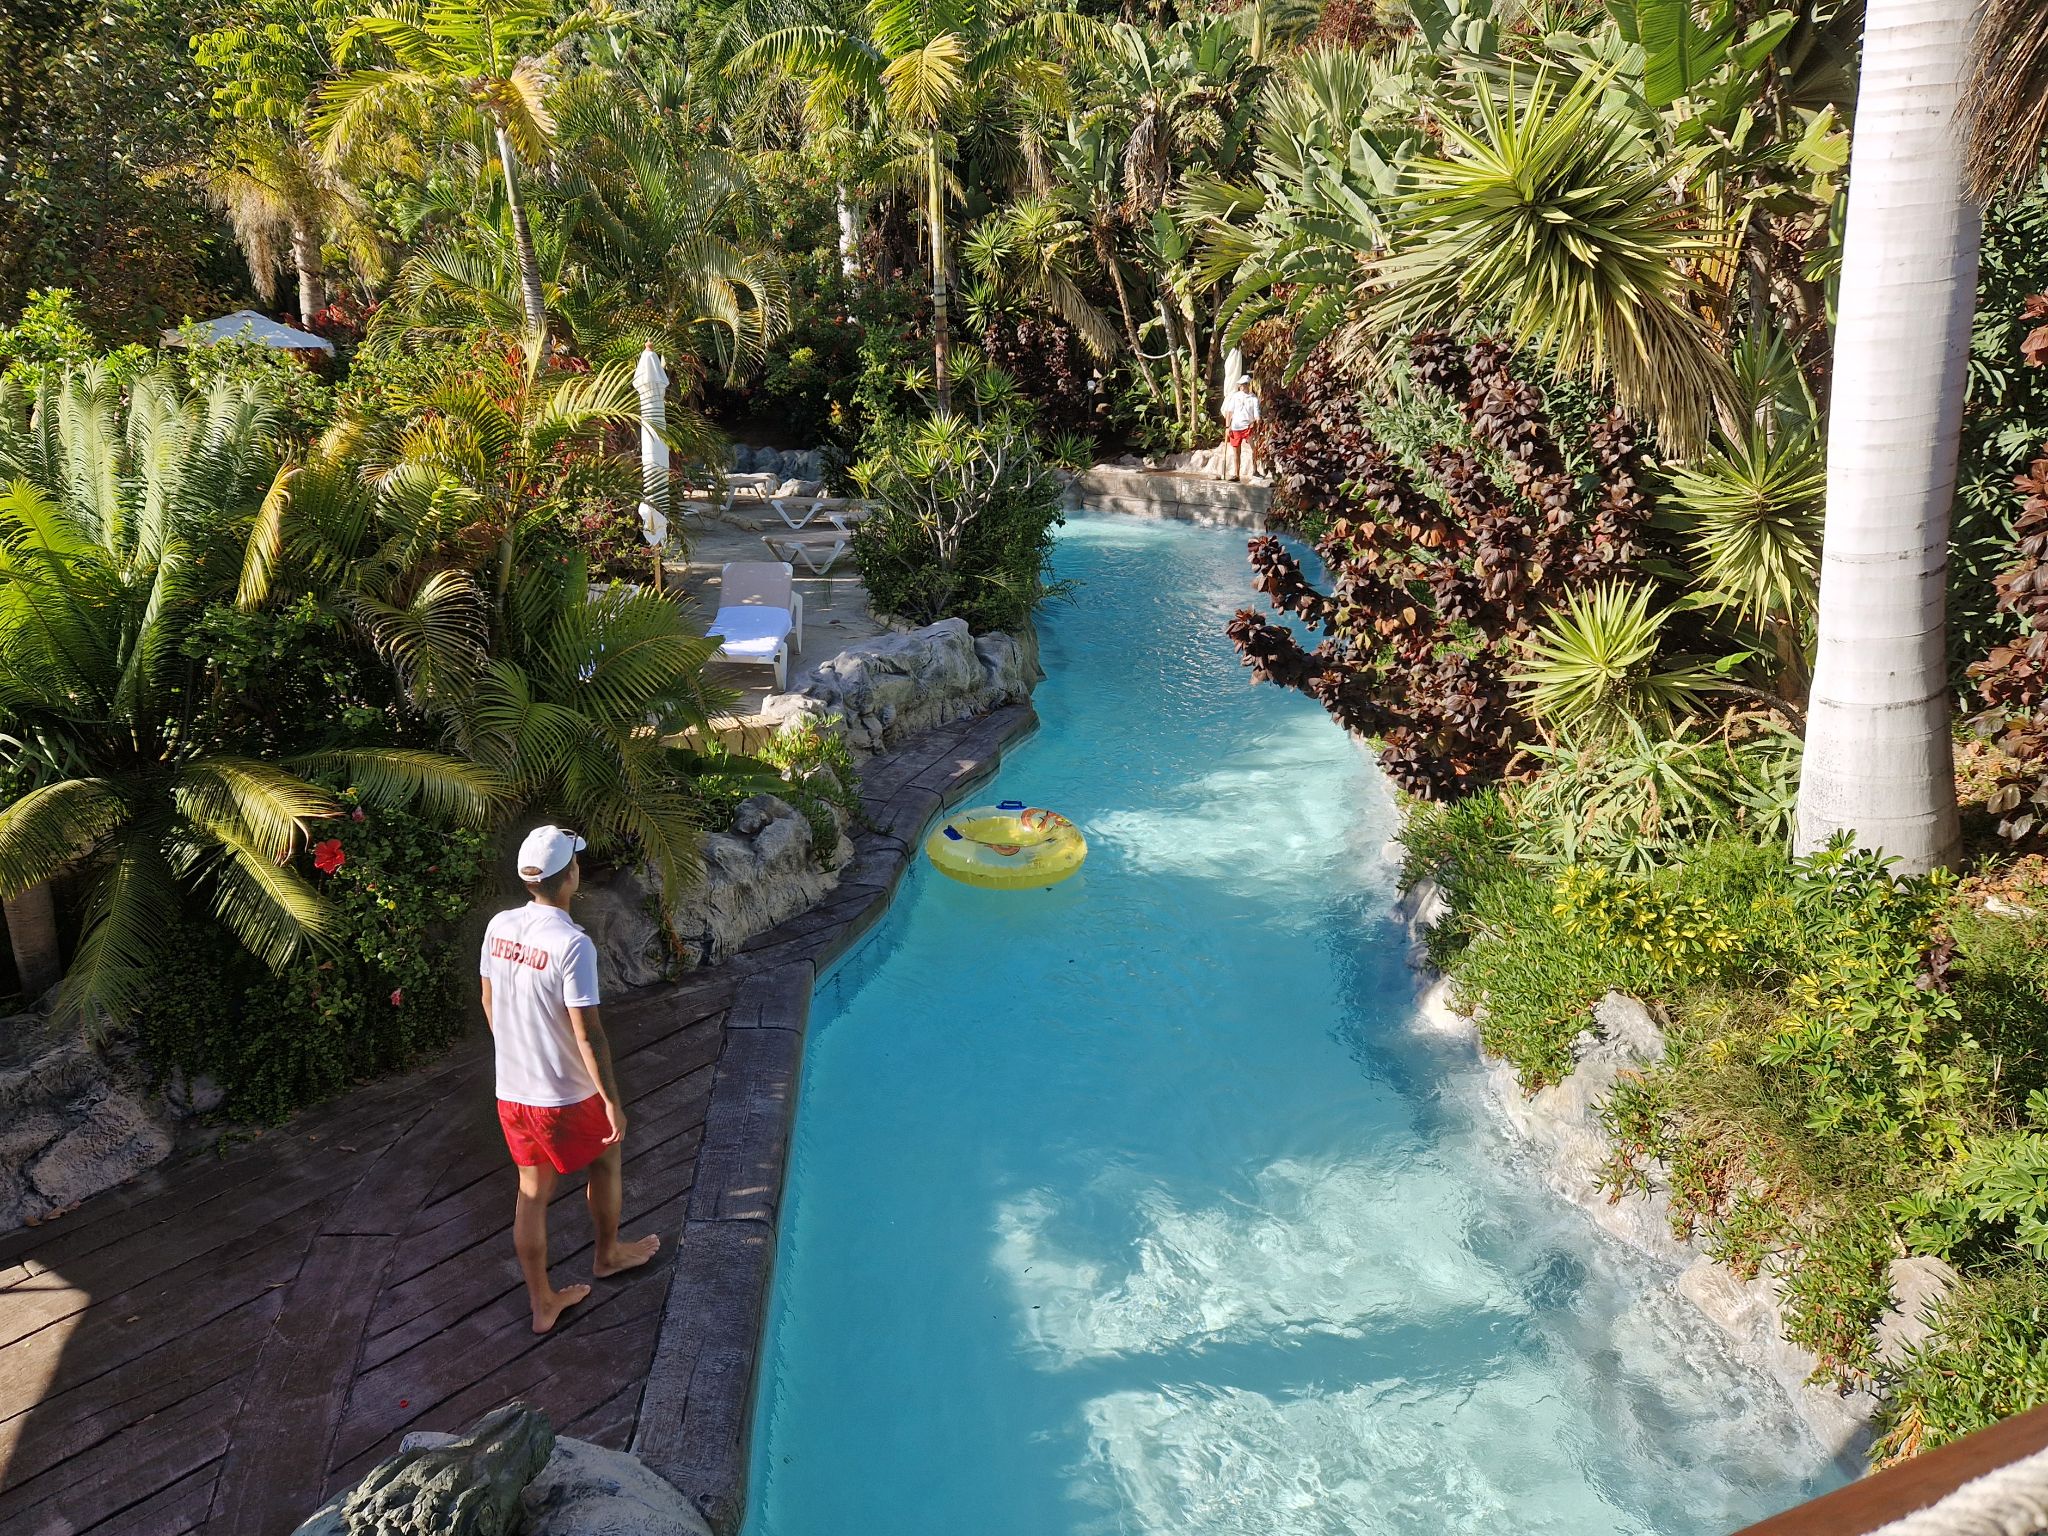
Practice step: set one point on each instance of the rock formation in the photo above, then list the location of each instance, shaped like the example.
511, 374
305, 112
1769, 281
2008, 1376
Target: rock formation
896, 685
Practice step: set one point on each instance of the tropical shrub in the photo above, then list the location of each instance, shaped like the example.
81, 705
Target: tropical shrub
1438, 568
136, 771
391, 986
967, 509
1986, 1361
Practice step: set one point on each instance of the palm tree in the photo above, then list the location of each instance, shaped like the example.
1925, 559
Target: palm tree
486, 56
561, 694
668, 221
2006, 98
920, 64
284, 202
1878, 759
114, 536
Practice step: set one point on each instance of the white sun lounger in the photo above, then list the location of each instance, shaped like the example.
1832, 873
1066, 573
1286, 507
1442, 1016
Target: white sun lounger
760, 615
820, 506
819, 551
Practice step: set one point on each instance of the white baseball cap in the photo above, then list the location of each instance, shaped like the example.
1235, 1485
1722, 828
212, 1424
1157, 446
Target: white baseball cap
547, 851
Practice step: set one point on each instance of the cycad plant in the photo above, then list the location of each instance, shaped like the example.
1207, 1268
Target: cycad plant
1591, 671
116, 533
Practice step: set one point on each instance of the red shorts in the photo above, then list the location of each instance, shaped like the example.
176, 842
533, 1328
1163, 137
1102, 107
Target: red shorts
1238, 436
568, 1136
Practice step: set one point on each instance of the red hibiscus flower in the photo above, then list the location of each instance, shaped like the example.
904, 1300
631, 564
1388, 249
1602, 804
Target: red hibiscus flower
398, 997
328, 857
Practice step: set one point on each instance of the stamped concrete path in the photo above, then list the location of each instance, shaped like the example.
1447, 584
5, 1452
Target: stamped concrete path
223, 1342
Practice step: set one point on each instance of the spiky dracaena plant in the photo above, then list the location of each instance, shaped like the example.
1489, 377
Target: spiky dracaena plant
1552, 211
115, 534
1751, 511
1591, 671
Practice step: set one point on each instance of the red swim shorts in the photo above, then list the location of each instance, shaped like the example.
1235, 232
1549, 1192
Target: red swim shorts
568, 1136
1238, 436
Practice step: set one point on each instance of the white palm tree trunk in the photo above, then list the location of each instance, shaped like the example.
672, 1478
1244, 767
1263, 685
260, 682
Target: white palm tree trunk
1878, 759
849, 234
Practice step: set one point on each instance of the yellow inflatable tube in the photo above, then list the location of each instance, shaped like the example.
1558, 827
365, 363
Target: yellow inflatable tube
1007, 847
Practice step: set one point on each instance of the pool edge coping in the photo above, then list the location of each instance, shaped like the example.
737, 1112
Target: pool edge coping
696, 1407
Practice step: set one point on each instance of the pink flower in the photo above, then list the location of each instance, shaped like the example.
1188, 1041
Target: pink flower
398, 997
357, 815
328, 856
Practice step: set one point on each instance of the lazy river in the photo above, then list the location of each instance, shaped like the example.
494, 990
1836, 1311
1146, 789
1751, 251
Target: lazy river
1140, 1206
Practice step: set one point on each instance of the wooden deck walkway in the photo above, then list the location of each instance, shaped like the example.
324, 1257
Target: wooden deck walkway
222, 1343
213, 1345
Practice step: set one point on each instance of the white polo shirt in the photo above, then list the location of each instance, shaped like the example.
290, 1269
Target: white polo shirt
540, 964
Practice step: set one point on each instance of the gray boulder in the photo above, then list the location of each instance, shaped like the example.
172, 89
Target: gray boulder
761, 872
894, 686
1919, 1285
586, 1490
114, 1139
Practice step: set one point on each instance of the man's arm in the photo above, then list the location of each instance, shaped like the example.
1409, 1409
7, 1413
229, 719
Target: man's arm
597, 1060
493, 1028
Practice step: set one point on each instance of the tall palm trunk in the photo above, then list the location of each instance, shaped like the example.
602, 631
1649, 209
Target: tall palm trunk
942, 328
311, 268
530, 299
1878, 761
32, 934
849, 233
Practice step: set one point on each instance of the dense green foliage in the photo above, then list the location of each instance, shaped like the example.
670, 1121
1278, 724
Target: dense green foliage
966, 508
1854, 1071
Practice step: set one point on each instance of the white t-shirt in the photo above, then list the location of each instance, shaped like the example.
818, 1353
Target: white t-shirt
540, 964
1240, 411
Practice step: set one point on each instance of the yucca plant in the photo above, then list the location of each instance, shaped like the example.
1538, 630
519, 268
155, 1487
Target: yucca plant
1591, 671
1751, 511
1552, 212
116, 531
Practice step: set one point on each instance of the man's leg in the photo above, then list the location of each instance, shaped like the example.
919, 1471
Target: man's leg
607, 1192
530, 1242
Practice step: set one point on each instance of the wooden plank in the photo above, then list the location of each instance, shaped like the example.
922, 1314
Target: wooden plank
493, 1284
170, 1511
449, 1291
1882, 1497
294, 1398
610, 1423
151, 1454
127, 1327
72, 1422
564, 1378
656, 1122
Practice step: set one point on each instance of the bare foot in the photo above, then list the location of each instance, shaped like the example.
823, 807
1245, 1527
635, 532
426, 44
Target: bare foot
626, 1256
547, 1313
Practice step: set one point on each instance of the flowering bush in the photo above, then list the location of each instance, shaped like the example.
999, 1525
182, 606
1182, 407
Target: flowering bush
391, 983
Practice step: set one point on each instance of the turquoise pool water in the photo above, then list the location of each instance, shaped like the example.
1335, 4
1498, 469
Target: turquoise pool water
1139, 1205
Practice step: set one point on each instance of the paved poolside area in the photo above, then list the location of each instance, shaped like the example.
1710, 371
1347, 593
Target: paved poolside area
835, 604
